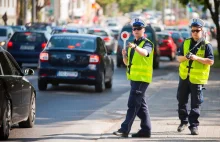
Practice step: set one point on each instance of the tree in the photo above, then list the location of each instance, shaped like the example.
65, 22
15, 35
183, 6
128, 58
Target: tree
39, 7
214, 10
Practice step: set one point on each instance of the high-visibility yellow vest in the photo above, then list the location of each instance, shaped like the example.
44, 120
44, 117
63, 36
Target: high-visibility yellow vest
199, 73
141, 68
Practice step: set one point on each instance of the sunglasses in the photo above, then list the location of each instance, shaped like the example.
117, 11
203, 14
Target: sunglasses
138, 28
193, 31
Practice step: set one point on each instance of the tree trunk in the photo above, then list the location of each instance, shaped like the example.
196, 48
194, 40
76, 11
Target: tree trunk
218, 41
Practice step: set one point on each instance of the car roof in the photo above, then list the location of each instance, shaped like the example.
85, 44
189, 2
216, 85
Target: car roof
4, 27
163, 33
77, 35
33, 31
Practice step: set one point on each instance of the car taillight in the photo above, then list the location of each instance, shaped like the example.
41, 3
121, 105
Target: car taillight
44, 56
94, 59
180, 40
106, 39
10, 44
43, 45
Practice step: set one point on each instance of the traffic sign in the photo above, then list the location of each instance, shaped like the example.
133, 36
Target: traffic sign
125, 36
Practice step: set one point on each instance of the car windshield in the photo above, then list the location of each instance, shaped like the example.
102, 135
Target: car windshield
3, 32
98, 32
147, 34
162, 36
175, 35
71, 42
28, 37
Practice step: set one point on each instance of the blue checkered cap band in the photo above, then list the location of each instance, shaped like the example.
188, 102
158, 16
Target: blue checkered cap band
138, 22
197, 23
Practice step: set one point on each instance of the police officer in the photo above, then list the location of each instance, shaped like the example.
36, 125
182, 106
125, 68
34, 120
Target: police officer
139, 61
195, 57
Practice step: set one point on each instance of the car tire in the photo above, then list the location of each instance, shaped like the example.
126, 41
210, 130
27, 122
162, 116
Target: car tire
100, 85
156, 63
6, 122
108, 84
29, 123
172, 56
42, 85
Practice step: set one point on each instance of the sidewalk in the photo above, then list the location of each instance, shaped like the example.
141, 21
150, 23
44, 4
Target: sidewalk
164, 115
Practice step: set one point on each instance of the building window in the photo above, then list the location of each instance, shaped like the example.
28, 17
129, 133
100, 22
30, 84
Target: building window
78, 3
5, 2
9, 3
0, 3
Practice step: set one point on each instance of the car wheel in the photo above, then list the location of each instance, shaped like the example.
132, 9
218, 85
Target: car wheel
156, 63
6, 122
108, 84
100, 85
42, 85
29, 123
173, 56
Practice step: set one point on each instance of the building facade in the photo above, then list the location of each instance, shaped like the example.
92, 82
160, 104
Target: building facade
8, 7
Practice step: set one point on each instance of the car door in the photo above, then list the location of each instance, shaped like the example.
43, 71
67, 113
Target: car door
13, 86
25, 86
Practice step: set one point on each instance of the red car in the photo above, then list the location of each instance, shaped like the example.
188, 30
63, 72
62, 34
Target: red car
167, 46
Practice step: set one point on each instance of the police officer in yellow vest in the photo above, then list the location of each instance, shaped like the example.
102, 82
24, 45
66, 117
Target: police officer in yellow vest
139, 61
195, 57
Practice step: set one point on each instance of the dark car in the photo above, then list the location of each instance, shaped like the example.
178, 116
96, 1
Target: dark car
149, 33
106, 35
25, 47
75, 59
66, 30
17, 96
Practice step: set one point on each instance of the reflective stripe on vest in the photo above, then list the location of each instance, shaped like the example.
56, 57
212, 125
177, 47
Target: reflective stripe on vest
141, 68
199, 73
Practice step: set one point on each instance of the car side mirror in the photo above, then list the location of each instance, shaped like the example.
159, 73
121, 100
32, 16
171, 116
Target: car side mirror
28, 71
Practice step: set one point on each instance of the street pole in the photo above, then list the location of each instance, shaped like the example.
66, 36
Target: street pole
33, 11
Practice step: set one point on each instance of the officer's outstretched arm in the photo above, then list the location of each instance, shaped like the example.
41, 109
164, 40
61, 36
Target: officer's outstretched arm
205, 61
181, 58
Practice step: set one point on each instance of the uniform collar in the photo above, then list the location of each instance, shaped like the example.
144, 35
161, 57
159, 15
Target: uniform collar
141, 38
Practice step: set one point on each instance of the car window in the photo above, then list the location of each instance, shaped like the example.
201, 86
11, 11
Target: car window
101, 44
175, 35
162, 36
6, 69
71, 42
98, 32
15, 70
3, 32
28, 37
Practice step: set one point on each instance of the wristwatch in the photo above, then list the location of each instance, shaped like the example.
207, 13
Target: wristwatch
135, 46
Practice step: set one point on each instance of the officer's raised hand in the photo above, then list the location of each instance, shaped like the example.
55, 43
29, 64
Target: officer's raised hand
193, 57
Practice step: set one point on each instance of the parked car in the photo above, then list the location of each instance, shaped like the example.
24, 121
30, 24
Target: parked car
166, 45
17, 96
66, 30
149, 33
177, 38
5, 34
185, 34
75, 59
26, 46
106, 35
18, 28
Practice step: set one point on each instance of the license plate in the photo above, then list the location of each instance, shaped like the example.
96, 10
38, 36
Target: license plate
24, 47
67, 74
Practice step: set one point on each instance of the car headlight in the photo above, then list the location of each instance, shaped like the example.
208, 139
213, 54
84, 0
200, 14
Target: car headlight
2, 43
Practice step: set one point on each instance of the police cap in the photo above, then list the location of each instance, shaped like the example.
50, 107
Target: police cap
138, 22
197, 23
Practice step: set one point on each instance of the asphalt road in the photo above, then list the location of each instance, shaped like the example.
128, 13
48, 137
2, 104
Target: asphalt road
64, 106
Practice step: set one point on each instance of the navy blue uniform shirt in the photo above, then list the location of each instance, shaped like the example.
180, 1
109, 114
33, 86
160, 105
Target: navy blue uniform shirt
208, 50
